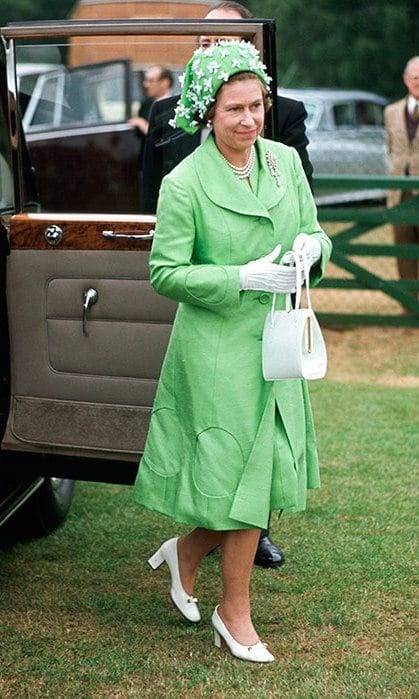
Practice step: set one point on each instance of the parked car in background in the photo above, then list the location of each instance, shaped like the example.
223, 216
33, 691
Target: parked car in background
346, 133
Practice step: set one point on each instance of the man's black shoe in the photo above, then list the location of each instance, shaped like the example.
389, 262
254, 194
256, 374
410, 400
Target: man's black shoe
268, 555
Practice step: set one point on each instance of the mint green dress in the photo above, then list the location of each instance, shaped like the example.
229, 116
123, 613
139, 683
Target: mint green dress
225, 447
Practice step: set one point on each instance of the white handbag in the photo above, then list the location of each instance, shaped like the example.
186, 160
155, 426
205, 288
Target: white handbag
292, 344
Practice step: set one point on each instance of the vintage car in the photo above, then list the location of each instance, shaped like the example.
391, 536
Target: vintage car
83, 334
346, 137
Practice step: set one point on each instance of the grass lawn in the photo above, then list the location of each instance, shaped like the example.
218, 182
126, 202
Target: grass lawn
82, 615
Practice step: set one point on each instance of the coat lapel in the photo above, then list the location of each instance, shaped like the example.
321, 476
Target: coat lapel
223, 187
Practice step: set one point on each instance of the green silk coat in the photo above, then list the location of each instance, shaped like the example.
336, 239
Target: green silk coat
225, 447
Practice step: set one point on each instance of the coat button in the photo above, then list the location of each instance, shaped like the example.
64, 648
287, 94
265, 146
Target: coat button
264, 298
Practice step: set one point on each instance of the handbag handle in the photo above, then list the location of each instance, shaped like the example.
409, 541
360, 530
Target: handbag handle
299, 260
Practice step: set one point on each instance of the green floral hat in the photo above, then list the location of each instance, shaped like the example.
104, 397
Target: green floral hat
206, 72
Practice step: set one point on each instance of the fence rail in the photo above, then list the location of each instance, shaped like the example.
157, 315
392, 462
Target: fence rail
361, 220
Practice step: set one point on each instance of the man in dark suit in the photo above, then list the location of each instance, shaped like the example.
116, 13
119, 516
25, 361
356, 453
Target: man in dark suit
165, 147
158, 83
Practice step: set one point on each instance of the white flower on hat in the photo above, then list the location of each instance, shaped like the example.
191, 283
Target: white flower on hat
183, 111
213, 66
210, 51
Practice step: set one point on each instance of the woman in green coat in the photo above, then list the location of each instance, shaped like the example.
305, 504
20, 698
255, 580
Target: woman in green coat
225, 447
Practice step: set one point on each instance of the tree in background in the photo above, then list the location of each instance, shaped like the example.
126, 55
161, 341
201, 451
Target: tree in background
361, 44
31, 10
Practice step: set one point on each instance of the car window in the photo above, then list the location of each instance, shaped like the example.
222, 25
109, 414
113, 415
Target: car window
344, 114
44, 109
6, 177
358, 113
6, 172
369, 113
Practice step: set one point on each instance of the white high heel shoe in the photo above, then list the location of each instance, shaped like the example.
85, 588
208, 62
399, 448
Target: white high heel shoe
186, 604
258, 653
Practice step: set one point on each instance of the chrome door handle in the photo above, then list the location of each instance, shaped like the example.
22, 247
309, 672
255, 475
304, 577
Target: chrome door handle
127, 234
90, 296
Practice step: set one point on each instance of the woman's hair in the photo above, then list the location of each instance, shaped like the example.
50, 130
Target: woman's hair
238, 77
234, 7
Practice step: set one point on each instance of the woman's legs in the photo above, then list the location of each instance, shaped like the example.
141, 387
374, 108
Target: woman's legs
238, 550
191, 549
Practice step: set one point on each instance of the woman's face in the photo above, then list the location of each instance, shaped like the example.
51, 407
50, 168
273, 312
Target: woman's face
239, 115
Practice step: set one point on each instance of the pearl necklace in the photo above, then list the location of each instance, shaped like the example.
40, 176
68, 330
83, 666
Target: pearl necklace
243, 172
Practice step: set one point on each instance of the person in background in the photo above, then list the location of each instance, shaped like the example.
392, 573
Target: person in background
226, 448
158, 83
164, 148
401, 121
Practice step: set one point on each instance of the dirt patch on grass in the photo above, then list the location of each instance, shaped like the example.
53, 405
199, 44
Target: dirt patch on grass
384, 356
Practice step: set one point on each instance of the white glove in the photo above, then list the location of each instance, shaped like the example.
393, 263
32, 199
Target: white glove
264, 275
308, 245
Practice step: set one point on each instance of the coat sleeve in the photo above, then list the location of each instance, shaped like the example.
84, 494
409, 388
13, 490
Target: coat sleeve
309, 223
173, 270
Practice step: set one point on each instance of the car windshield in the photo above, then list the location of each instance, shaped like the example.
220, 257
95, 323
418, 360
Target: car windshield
358, 113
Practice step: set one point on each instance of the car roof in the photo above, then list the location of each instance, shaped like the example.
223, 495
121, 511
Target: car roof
331, 94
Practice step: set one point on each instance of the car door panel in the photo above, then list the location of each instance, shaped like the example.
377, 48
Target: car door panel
76, 388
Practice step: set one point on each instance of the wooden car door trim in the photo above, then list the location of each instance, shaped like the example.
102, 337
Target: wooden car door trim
82, 232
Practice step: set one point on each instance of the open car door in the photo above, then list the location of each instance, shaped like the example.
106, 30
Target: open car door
87, 332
